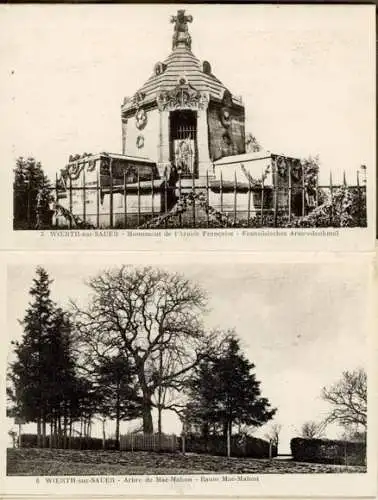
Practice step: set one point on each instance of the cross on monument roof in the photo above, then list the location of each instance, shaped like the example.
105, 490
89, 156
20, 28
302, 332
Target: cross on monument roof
181, 34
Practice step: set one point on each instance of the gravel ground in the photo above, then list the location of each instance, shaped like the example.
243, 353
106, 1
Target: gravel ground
36, 462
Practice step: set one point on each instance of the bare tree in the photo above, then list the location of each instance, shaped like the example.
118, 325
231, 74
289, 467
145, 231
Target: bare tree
312, 429
273, 433
154, 318
348, 398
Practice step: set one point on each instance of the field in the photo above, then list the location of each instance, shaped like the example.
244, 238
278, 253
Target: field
37, 462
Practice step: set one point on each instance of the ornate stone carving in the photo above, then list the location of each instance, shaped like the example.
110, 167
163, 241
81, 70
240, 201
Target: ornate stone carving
227, 99
91, 165
180, 31
138, 98
140, 119
225, 117
74, 170
184, 96
140, 142
281, 166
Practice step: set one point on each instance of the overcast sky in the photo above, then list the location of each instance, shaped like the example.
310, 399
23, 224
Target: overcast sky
301, 324
306, 74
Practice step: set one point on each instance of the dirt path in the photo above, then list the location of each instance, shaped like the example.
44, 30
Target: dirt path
35, 462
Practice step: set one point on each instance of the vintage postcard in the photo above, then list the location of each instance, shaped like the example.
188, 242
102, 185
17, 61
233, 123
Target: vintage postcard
145, 127
189, 376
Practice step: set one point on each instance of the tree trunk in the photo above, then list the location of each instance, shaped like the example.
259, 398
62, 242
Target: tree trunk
59, 432
43, 433
148, 427
118, 417
51, 434
160, 410
39, 433
103, 434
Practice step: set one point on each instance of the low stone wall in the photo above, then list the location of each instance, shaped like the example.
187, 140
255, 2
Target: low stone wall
328, 451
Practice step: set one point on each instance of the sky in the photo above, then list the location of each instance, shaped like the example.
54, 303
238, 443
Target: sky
306, 75
301, 325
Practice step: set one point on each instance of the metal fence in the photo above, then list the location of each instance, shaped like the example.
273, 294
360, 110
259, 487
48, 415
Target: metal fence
184, 204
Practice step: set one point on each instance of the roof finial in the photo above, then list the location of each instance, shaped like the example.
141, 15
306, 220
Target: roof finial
181, 33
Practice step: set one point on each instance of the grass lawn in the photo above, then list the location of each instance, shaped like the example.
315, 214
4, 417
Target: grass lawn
37, 462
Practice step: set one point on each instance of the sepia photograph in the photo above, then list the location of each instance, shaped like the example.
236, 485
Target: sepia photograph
188, 371
211, 116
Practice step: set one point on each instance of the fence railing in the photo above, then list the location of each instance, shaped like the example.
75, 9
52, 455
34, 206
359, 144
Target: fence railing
206, 203
149, 442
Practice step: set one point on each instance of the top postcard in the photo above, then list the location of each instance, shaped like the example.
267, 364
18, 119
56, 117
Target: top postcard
209, 127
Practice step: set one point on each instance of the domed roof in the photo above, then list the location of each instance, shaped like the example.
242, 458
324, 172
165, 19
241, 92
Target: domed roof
180, 63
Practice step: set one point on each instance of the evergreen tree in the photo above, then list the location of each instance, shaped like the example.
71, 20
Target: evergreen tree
29, 373
32, 195
118, 390
224, 392
44, 386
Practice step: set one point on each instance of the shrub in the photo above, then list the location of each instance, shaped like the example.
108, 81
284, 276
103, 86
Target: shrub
241, 446
328, 451
73, 443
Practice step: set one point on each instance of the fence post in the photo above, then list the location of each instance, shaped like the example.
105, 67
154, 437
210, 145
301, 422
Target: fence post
124, 200
303, 190
84, 195
152, 192
249, 202
165, 199
207, 198
221, 191
290, 188
359, 198
28, 214
70, 203
331, 190
179, 171
56, 198
111, 191
275, 193
317, 189
194, 196
262, 197
98, 188
235, 196
138, 195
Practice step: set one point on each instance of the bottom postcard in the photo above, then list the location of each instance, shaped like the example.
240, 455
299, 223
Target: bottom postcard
188, 375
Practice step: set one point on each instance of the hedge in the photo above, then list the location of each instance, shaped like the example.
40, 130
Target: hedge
241, 446
328, 451
73, 443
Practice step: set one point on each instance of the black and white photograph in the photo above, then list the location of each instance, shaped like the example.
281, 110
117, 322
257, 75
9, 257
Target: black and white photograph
188, 370
208, 116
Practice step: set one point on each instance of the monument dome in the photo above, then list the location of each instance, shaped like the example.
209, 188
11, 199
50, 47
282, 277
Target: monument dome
183, 115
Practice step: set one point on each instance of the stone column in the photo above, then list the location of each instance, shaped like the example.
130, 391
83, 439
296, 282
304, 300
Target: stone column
124, 131
204, 162
163, 141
